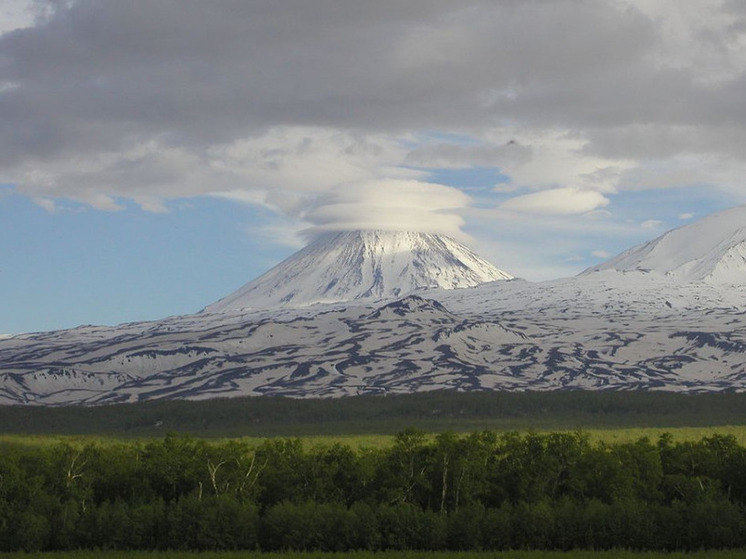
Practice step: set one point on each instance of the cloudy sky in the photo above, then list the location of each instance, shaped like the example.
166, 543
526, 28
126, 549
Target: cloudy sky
155, 155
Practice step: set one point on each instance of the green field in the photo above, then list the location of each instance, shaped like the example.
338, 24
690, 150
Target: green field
611, 436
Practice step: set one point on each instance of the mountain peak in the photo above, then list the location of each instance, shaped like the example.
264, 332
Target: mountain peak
349, 265
711, 250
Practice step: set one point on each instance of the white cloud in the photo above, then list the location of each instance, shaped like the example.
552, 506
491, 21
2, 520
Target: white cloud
390, 205
651, 224
558, 158
561, 201
686, 216
47, 204
601, 254
286, 233
281, 168
151, 204
16, 14
311, 159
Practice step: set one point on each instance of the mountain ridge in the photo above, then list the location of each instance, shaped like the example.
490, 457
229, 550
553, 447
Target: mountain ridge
711, 250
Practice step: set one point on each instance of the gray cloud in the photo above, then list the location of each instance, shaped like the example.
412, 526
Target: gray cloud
444, 155
114, 71
104, 99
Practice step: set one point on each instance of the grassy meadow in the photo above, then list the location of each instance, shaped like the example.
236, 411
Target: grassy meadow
378, 441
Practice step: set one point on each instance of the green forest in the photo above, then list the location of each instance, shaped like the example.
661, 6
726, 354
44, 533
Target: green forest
477, 491
267, 416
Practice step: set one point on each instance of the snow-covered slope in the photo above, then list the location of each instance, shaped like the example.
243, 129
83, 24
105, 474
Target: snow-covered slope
606, 330
352, 265
712, 250
597, 332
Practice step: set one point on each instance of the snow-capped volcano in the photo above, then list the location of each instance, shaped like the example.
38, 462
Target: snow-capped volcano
712, 250
350, 265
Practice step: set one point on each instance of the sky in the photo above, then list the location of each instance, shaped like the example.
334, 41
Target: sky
155, 156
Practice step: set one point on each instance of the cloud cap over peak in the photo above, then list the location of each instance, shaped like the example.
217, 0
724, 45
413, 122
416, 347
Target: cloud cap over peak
390, 205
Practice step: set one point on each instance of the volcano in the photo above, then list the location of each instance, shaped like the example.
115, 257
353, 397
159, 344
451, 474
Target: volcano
352, 265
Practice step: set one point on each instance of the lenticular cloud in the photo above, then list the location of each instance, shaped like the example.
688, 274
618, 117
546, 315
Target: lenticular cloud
390, 205
560, 201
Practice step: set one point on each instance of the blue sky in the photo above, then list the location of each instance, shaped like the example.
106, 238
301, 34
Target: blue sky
154, 157
83, 266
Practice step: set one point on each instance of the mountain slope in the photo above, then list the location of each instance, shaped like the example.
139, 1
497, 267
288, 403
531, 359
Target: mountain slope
638, 328
712, 250
598, 332
354, 265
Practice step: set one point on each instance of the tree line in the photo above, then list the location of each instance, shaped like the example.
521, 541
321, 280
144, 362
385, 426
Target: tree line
432, 411
449, 492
